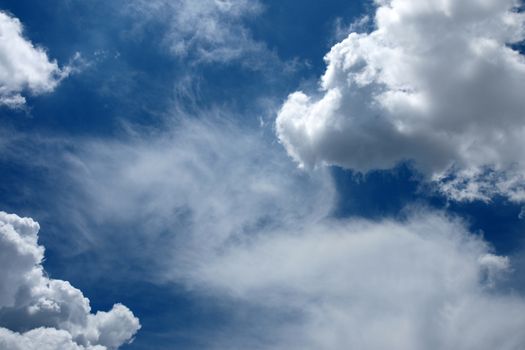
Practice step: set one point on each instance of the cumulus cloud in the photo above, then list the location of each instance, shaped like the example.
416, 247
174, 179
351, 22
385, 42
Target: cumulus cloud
437, 82
37, 312
24, 67
41, 338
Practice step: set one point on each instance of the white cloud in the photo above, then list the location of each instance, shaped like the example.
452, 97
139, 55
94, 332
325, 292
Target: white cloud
435, 82
24, 68
189, 190
209, 31
424, 283
37, 312
40, 339
220, 211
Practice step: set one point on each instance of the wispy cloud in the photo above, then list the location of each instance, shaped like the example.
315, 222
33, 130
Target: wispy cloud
215, 208
187, 191
210, 31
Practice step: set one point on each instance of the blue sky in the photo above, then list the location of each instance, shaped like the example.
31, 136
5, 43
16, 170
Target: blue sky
262, 174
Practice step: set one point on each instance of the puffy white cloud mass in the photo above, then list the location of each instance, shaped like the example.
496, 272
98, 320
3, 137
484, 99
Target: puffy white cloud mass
423, 283
437, 82
37, 312
23, 67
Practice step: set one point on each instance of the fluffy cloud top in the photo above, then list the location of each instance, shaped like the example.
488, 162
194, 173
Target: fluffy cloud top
37, 312
436, 82
23, 67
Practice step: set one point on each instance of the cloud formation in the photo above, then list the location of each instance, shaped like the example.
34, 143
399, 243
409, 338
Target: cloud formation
209, 31
37, 312
423, 283
436, 82
186, 191
224, 215
218, 209
24, 67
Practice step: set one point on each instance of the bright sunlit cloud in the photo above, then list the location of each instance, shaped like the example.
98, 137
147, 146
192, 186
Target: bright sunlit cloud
38, 312
24, 67
436, 82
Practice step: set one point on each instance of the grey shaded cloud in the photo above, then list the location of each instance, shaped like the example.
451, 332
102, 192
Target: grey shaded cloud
435, 82
37, 312
423, 283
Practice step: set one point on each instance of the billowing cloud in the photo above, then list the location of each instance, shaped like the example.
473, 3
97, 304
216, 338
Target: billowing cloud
37, 312
437, 82
24, 67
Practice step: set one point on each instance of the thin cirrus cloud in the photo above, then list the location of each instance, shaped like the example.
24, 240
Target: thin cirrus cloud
37, 312
436, 82
210, 31
186, 191
24, 67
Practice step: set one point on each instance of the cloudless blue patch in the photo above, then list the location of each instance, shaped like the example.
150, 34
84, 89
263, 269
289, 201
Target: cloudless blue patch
498, 221
387, 193
376, 194
304, 29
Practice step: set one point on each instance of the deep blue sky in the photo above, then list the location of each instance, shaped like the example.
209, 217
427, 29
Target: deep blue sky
132, 81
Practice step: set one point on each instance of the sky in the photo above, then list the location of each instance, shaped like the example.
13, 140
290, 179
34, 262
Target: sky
262, 174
